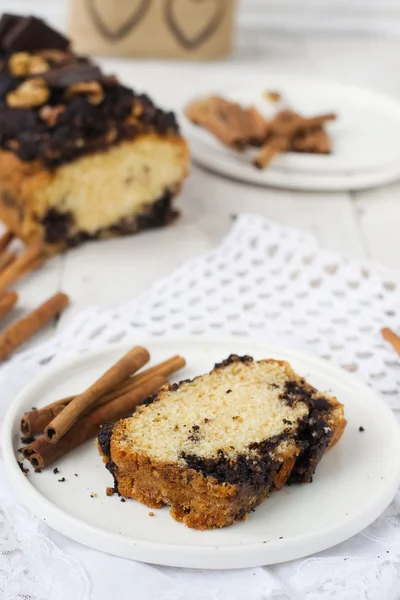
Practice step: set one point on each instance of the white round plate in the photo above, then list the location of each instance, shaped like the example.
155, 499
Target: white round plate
291, 180
364, 135
354, 482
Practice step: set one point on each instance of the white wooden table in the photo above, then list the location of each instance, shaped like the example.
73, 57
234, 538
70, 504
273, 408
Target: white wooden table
361, 225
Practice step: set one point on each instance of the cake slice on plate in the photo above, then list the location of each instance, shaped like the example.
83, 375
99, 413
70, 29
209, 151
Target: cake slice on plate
81, 155
215, 447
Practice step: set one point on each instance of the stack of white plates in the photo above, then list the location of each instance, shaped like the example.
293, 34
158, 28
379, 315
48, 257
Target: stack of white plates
365, 136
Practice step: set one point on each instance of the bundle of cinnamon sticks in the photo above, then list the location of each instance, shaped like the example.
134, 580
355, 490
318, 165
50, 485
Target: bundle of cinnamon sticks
239, 127
12, 267
69, 422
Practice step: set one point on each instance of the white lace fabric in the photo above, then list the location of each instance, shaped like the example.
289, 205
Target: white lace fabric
267, 282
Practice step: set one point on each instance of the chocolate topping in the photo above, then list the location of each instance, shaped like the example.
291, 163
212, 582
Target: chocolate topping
51, 114
72, 73
28, 34
7, 22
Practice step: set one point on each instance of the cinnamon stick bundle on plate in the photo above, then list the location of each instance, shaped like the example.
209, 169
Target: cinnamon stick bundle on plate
41, 452
34, 422
117, 403
131, 362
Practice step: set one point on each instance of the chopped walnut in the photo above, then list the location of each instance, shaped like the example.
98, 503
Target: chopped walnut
137, 109
49, 114
22, 64
91, 89
111, 135
33, 92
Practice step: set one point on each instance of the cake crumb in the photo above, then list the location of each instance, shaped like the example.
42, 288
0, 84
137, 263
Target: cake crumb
109, 491
23, 469
27, 439
361, 428
272, 96
93, 495
151, 514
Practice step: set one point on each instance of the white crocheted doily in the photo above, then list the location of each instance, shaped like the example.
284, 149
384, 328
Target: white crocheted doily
263, 281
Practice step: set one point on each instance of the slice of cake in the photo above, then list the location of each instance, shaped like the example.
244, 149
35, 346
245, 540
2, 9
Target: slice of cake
81, 155
213, 448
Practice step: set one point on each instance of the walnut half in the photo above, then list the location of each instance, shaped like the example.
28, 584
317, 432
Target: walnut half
33, 92
22, 64
91, 89
49, 114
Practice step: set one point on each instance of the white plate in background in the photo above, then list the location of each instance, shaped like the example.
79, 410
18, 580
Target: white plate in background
354, 482
364, 137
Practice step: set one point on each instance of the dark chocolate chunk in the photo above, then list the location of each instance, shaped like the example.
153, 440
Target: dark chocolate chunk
7, 22
104, 438
27, 439
123, 500
361, 428
30, 33
69, 74
23, 469
55, 471
62, 480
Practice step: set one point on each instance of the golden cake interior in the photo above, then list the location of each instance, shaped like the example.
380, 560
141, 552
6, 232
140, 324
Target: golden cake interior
227, 410
96, 192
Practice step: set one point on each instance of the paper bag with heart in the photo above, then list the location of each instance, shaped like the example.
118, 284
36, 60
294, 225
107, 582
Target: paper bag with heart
192, 29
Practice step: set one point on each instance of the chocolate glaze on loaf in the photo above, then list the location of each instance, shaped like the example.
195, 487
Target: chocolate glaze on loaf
82, 126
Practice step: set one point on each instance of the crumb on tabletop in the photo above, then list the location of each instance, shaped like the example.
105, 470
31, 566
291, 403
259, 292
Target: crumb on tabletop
272, 96
361, 428
151, 514
61, 480
109, 491
123, 500
55, 471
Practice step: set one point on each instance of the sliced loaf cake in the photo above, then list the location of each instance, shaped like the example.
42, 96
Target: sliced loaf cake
214, 447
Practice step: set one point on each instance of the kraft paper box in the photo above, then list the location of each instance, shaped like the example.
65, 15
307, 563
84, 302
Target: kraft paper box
189, 29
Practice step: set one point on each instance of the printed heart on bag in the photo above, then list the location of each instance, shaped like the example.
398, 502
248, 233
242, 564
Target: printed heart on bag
115, 20
193, 22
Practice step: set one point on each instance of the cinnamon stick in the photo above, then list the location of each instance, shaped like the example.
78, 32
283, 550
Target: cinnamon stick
128, 364
34, 422
22, 264
269, 151
6, 258
22, 330
6, 239
282, 130
41, 452
391, 337
31, 266
7, 301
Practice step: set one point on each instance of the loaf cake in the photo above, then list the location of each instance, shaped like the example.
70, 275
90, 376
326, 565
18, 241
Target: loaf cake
215, 447
81, 155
